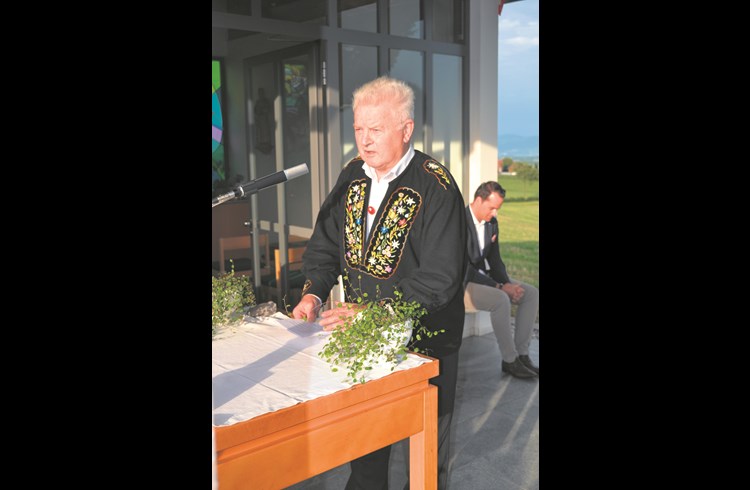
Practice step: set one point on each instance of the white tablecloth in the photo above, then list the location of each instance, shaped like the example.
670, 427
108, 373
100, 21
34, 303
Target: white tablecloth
267, 364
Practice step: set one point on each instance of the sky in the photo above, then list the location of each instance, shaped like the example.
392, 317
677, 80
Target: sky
518, 68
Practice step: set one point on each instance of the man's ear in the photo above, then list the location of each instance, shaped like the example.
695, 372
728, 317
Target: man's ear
408, 130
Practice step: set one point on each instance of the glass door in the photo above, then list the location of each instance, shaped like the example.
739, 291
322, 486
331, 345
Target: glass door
283, 107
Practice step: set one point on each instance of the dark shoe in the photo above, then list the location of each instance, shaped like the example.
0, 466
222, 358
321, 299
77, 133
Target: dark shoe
526, 360
517, 369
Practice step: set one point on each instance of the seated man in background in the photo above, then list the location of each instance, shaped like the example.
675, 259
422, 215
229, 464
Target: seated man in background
488, 287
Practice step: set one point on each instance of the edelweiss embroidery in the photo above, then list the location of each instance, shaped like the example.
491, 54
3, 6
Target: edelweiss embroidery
387, 239
434, 168
354, 223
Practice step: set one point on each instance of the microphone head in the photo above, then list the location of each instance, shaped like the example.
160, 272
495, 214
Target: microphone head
296, 171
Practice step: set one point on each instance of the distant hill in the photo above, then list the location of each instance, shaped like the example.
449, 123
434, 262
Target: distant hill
513, 145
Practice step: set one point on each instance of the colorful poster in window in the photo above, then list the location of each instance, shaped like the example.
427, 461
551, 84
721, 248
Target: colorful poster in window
295, 100
218, 169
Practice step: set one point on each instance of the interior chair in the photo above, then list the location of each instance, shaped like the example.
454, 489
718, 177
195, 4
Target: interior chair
238, 250
271, 284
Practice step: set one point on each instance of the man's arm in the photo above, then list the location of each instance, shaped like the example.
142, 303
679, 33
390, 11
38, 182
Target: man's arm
497, 266
442, 249
321, 260
475, 276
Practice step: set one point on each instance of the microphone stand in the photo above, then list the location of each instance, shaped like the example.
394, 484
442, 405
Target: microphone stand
229, 196
252, 187
239, 192
262, 183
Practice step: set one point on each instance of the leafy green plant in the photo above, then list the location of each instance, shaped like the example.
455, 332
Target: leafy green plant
378, 333
230, 294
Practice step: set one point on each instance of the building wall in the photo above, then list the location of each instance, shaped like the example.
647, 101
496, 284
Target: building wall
478, 102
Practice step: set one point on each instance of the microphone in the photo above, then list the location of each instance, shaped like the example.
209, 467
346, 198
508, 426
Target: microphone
256, 185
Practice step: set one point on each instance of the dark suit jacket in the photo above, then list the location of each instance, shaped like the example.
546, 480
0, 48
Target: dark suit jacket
491, 252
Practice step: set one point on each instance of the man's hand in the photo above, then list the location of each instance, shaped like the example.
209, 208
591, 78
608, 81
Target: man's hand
337, 316
514, 291
306, 309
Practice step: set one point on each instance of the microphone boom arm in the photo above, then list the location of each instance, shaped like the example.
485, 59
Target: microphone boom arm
252, 187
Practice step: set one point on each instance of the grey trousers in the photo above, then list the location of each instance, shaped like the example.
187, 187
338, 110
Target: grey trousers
497, 302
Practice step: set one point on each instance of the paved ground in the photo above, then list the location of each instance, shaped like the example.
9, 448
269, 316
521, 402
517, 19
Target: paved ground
495, 428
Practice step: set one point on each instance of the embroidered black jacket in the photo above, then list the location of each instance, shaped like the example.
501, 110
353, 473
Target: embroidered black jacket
417, 244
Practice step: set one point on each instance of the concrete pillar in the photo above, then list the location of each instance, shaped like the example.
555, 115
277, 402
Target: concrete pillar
483, 89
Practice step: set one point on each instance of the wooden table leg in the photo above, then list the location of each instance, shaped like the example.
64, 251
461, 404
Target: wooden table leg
423, 446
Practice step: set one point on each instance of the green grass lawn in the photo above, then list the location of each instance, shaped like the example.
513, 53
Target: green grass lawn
517, 189
518, 220
519, 229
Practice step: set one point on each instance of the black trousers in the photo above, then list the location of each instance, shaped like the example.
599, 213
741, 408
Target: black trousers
370, 472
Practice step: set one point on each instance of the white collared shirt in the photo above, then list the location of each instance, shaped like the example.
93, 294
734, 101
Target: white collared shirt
479, 225
380, 186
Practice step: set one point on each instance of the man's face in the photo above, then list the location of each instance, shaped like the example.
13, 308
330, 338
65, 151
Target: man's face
382, 138
486, 209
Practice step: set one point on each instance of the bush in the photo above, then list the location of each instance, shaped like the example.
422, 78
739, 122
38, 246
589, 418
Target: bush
378, 334
230, 294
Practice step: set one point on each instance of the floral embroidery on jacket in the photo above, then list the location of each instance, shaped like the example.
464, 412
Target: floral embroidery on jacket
388, 237
354, 222
434, 168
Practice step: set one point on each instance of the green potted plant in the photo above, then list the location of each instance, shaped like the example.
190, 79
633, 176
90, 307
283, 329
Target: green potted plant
230, 296
377, 335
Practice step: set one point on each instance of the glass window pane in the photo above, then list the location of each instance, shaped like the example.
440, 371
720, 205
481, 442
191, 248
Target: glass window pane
263, 91
360, 15
409, 67
359, 64
405, 18
296, 124
448, 21
218, 164
232, 6
307, 11
447, 119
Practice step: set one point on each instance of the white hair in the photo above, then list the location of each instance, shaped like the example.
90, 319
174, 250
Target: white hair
385, 87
